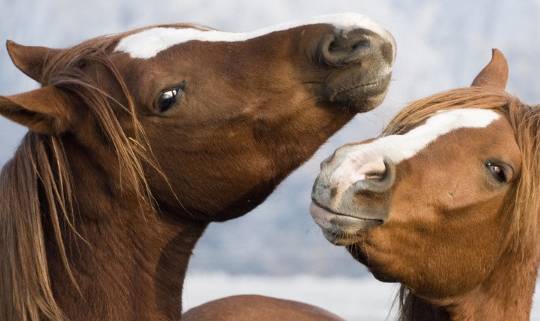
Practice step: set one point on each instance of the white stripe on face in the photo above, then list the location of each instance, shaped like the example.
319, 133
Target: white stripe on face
148, 43
397, 148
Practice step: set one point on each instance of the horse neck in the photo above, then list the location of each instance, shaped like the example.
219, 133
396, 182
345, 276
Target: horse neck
505, 295
131, 264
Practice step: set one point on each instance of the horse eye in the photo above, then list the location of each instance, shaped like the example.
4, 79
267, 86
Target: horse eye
497, 171
168, 98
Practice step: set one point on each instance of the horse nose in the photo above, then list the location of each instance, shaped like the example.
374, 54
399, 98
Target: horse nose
376, 176
354, 46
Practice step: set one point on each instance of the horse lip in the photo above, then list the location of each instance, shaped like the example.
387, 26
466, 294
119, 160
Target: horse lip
376, 86
359, 93
337, 226
316, 204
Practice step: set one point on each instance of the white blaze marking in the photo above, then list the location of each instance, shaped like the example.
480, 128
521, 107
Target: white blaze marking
401, 147
148, 43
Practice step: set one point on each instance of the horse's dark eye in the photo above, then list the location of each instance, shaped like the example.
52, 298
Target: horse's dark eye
169, 97
497, 171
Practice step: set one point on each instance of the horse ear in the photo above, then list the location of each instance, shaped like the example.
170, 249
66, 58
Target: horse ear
46, 110
30, 59
495, 74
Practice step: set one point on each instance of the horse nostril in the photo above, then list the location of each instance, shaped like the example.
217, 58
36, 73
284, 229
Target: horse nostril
387, 50
378, 177
373, 170
351, 47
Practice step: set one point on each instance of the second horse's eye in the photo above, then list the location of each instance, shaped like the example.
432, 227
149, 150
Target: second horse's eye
497, 171
168, 98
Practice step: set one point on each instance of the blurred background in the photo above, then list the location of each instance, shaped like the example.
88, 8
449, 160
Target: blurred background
277, 249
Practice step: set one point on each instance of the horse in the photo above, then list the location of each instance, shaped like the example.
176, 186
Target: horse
137, 141
444, 202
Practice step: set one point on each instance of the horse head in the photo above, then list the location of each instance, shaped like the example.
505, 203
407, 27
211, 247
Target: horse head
444, 200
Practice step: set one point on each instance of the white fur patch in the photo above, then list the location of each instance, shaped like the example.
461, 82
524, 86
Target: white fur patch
401, 147
148, 43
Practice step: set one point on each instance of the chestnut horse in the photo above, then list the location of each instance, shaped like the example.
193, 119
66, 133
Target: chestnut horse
445, 202
137, 141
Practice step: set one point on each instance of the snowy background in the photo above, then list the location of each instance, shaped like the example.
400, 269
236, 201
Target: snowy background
277, 249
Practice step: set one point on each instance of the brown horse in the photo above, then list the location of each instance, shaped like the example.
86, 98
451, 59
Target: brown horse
445, 202
137, 141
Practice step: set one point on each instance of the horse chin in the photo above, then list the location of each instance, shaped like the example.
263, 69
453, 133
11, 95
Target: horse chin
382, 277
350, 231
358, 252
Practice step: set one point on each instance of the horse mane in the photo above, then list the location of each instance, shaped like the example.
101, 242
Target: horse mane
522, 204
37, 207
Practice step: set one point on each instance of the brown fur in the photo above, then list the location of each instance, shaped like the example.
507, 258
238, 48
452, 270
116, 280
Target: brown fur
464, 246
105, 198
260, 308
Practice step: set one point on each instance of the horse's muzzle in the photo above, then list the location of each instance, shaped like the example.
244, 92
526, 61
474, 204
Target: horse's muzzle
361, 65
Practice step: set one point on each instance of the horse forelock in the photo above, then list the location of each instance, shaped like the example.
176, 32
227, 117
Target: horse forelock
522, 207
37, 190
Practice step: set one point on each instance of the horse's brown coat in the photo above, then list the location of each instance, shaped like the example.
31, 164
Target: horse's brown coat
464, 246
259, 308
106, 196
